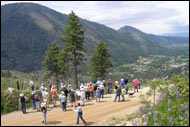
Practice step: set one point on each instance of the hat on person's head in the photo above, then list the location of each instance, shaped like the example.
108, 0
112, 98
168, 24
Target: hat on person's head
71, 89
98, 87
22, 95
122, 80
103, 81
45, 89
33, 92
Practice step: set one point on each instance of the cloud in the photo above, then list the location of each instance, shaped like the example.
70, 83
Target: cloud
155, 17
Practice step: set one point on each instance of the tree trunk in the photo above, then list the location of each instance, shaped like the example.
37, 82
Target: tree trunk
56, 78
154, 95
75, 67
17, 85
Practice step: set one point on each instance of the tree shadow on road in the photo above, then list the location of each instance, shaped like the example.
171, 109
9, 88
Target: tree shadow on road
53, 122
89, 123
89, 104
107, 96
101, 101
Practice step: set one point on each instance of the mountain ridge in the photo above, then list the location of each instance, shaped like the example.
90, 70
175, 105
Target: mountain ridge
28, 29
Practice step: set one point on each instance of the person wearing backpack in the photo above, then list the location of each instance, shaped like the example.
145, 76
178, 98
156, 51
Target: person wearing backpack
63, 99
44, 112
72, 98
37, 100
135, 86
118, 93
33, 100
22, 102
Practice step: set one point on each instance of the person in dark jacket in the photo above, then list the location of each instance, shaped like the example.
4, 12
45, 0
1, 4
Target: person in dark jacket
65, 90
22, 102
126, 86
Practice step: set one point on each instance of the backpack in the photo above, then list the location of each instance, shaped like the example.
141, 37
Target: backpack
36, 98
22, 99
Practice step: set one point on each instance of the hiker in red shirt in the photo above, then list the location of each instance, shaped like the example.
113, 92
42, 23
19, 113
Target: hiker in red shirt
138, 84
135, 86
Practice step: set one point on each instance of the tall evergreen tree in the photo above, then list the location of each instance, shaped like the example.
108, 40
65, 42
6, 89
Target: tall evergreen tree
55, 61
74, 42
100, 62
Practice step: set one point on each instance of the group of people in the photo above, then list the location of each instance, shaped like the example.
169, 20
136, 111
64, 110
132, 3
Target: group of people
87, 91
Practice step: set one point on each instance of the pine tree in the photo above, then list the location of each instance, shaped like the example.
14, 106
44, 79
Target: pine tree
100, 62
74, 42
55, 61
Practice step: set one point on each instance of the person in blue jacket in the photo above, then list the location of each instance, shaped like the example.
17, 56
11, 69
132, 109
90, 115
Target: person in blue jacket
122, 83
126, 87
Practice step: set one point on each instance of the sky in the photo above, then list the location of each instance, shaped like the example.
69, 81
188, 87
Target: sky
155, 17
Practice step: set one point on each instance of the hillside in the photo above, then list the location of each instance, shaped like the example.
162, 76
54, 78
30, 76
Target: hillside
28, 29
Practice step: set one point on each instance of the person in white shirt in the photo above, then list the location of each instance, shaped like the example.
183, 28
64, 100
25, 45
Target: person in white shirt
123, 92
79, 110
45, 96
101, 90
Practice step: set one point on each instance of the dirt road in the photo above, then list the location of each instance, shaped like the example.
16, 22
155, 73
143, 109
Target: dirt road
94, 113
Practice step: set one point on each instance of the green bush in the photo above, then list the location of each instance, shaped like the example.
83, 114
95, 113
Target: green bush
10, 102
172, 108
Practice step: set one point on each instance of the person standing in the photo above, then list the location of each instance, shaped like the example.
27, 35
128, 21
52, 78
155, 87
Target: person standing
98, 94
126, 86
45, 97
22, 102
123, 92
87, 92
122, 83
37, 100
109, 88
63, 99
72, 98
54, 94
135, 86
32, 85
91, 91
116, 84
83, 96
138, 83
44, 112
118, 93
80, 113
33, 100
101, 90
